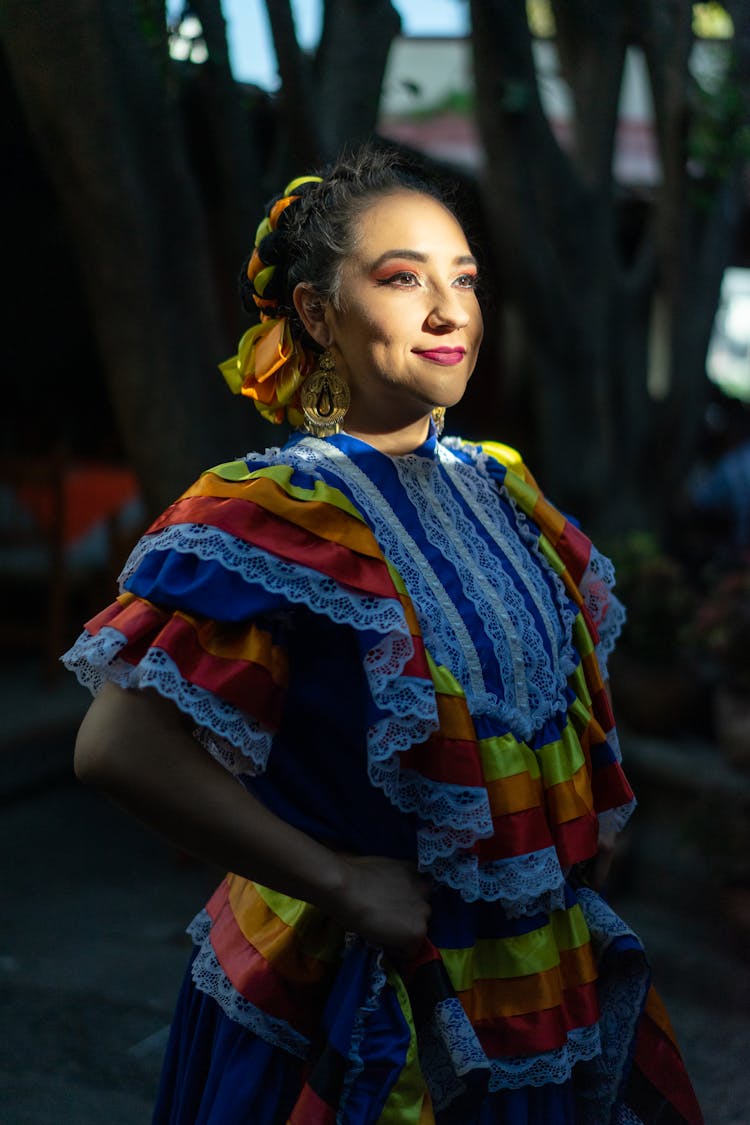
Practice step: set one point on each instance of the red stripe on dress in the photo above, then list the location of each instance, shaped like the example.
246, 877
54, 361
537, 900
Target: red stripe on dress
660, 1061
138, 622
251, 523
515, 834
574, 548
445, 759
601, 709
132, 620
416, 665
576, 840
246, 684
536, 1032
610, 788
238, 682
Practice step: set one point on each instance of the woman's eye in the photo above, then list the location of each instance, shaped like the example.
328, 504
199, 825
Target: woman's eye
467, 281
402, 279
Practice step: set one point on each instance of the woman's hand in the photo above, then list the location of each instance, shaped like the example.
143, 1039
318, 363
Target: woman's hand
384, 901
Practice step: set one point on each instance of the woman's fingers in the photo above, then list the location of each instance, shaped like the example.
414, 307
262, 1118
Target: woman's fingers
386, 902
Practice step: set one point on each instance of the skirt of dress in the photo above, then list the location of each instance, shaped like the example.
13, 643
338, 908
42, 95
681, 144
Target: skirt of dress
217, 1072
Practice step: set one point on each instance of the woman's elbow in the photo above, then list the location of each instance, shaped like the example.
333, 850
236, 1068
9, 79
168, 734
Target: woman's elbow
92, 753
98, 752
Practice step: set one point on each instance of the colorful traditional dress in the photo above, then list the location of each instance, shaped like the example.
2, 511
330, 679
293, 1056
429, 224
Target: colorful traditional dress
402, 656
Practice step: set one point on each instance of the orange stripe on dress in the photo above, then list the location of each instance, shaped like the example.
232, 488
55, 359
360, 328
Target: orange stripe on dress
550, 519
515, 793
513, 996
282, 945
570, 799
535, 1032
244, 642
325, 519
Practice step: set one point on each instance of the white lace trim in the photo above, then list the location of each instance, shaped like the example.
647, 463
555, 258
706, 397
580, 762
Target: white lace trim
449, 1049
456, 817
524, 884
236, 739
583, 1043
532, 666
276, 575
209, 977
606, 609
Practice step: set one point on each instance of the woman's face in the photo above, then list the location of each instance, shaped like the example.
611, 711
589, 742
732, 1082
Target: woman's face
407, 327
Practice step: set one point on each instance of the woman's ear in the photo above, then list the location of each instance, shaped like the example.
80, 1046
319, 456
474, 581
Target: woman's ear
311, 309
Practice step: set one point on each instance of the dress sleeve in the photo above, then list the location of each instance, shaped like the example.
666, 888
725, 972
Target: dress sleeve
210, 593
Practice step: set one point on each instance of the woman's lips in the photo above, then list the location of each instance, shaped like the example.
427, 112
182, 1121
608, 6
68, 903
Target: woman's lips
447, 357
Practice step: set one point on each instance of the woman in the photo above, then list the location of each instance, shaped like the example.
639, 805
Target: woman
395, 644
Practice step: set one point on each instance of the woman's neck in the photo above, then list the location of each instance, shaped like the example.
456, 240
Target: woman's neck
392, 442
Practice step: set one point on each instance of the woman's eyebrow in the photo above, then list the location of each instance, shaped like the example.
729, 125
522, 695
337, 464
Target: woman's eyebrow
416, 256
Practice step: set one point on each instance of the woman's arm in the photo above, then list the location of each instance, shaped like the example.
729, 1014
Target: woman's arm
137, 748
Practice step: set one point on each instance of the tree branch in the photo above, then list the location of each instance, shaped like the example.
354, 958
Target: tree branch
349, 67
591, 48
300, 123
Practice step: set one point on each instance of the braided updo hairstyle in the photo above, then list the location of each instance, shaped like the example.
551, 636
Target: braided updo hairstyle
307, 233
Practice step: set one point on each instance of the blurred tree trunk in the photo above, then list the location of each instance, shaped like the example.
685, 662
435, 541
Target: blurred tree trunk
596, 319
332, 99
102, 110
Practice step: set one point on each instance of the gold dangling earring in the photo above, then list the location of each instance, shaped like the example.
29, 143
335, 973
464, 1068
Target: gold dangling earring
324, 398
438, 417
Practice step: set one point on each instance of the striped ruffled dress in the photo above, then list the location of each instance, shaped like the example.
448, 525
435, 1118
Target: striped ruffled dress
401, 656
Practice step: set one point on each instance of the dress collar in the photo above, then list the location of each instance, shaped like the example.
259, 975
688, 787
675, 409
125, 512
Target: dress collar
354, 446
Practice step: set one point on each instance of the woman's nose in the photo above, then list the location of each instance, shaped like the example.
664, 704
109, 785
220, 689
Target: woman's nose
448, 311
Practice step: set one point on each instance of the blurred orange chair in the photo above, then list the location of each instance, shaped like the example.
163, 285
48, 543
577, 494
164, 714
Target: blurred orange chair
64, 529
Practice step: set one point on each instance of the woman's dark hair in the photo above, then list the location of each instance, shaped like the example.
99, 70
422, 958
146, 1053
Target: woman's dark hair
315, 234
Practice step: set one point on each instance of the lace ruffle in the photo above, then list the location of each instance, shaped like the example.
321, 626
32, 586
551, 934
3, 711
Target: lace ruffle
275, 575
235, 738
523, 884
450, 1049
583, 1043
209, 977
606, 609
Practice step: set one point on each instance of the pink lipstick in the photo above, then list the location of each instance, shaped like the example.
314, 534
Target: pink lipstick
446, 357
